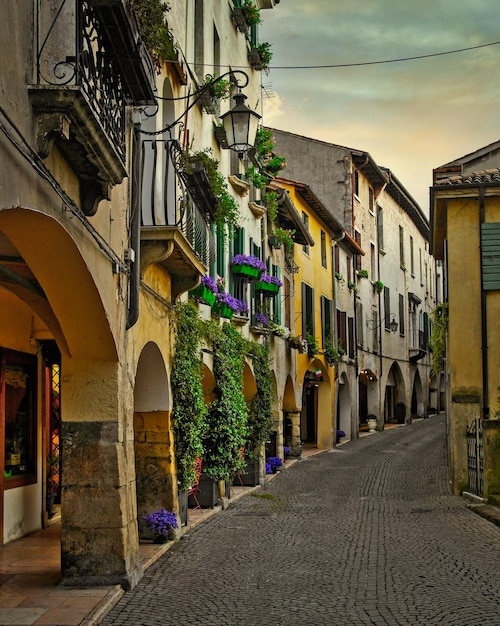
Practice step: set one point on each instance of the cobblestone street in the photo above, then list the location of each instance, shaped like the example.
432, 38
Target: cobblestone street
368, 533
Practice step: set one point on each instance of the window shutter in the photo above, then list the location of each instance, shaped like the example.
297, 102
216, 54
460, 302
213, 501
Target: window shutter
490, 261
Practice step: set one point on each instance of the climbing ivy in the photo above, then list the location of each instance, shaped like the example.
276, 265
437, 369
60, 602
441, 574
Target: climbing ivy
189, 410
259, 409
437, 340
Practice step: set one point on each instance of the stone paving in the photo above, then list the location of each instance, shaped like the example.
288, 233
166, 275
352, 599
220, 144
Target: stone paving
368, 533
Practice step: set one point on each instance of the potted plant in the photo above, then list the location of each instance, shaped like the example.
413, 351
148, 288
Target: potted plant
162, 524
352, 286
338, 435
282, 236
363, 273
278, 331
260, 56
246, 15
378, 286
214, 91
268, 285
206, 290
298, 342
261, 319
226, 305
247, 266
372, 422
275, 463
312, 346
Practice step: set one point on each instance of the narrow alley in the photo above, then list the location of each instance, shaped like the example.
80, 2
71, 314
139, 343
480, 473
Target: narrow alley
368, 533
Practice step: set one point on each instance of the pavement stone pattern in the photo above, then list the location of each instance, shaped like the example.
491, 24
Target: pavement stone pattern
368, 533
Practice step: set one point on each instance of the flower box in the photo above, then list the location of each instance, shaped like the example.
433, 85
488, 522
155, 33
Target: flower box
223, 310
204, 294
268, 289
245, 271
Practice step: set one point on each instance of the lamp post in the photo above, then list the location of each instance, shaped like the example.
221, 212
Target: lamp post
240, 124
393, 325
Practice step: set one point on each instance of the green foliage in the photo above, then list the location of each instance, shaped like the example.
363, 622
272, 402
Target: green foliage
271, 202
252, 13
259, 410
264, 50
437, 340
227, 429
286, 237
332, 355
340, 277
363, 273
154, 31
352, 286
227, 212
378, 285
221, 88
270, 164
312, 345
189, 408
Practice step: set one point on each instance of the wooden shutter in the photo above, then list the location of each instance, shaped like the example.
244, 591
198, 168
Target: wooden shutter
490, 260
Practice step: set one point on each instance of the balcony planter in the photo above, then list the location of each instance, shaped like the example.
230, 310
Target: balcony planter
223, 310
208, 493
203, 293
275, 242
268, 285
240, 20
260, 56
247, 266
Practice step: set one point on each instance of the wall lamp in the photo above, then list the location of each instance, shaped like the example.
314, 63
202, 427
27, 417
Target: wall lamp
393, 325
240, 122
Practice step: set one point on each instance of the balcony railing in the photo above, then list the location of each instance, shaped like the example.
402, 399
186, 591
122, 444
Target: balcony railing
168, 202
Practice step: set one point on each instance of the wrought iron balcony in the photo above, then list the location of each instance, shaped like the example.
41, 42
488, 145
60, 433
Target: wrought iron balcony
175, 224
90, 64
418, 345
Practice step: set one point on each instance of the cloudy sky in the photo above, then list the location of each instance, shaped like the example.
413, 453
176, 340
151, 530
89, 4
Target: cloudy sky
411, 116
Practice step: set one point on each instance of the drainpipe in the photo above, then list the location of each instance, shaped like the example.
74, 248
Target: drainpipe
336, 423
135, 228
484, 326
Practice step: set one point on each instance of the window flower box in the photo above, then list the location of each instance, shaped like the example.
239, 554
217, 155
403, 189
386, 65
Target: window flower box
247, 266
268, 285
206, 291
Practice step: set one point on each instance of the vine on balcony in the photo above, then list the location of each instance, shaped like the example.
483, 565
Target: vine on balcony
154, 30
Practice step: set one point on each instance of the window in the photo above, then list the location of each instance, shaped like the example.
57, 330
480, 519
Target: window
401, 247
359, 323
326, 321
374, 324
401, 314
337, 259
307, 310
350, 335
355, 183
380, 228
387, 308
18, 375
323, 249
420, 263
357, 258
305, 221
373, 261
199, 58
342, 329
370, 200
412, 260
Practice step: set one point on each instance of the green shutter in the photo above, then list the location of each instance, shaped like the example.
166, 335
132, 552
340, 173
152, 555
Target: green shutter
490, 243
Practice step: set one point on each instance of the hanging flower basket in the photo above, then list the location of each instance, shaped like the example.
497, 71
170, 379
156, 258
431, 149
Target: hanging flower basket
247, 266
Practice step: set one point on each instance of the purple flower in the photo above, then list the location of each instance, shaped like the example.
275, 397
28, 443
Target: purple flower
226, 298
160, 522
273, 280
243, 307
261, 319
268, 469
209, 283
274, 461
250, 260
286, 449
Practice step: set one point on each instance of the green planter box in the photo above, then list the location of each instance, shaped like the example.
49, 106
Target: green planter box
245, 271
223, 310
268, 289
205, 294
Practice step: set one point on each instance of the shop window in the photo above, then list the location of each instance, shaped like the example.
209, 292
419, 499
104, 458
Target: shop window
18, 417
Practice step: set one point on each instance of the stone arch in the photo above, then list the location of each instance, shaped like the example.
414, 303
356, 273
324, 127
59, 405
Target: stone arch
153, 437
418, 405
316, 423
344, 403
68, 301
395, 409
